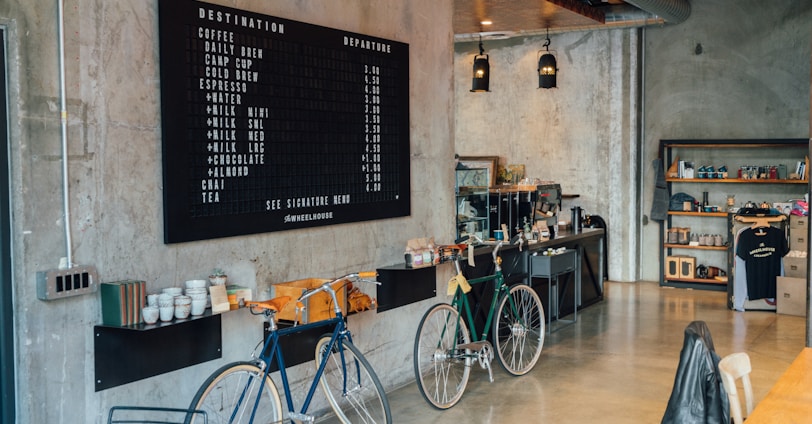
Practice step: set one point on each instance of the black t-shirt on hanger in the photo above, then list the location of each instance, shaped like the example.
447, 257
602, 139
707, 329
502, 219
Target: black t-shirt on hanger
762, 250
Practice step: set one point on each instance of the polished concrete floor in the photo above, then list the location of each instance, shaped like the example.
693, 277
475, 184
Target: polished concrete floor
617, 363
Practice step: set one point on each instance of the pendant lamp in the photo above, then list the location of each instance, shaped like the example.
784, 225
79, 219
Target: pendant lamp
547, 66
482, 71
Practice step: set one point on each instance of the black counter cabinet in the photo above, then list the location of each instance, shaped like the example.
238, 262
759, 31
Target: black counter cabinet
590, 245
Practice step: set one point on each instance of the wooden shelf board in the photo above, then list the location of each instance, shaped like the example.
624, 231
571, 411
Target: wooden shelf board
686, 246
696, 280
713, 214
734, 181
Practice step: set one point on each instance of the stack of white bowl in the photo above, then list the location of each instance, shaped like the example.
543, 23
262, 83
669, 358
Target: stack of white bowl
196, 290
166, 306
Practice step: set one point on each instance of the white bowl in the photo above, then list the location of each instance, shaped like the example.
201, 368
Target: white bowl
173, 291
199, 296
150, 314
165, 299
201, 290
182, 300
196, 284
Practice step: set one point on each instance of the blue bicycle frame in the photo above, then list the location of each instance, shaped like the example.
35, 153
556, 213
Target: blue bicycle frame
339, 333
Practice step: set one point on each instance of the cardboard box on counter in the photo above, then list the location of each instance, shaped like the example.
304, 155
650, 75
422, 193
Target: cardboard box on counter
795, 264
790, 296
798, 222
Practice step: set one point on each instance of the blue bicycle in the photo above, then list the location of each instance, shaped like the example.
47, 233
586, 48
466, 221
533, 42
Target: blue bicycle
243, 392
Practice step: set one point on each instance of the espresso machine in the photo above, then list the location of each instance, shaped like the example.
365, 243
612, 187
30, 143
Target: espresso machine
519, 206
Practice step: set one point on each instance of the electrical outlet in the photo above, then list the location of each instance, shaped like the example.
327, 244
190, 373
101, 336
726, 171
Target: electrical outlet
61, 283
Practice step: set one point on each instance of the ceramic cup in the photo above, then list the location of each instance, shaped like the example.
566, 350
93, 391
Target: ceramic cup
198, 306
150, 314
183, 306
166, 313
152, 300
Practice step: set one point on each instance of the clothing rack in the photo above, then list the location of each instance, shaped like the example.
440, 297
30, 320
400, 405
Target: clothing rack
760, 221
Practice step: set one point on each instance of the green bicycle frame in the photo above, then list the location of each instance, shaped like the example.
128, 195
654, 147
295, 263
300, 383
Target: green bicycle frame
460, 303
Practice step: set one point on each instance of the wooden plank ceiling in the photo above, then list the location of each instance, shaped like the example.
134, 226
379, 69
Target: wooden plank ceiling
511, 16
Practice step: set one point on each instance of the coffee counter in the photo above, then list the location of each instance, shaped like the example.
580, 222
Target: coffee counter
590, 245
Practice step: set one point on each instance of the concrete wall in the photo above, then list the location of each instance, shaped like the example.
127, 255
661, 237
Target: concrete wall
750, 81
116, 202
582, 134
734, 69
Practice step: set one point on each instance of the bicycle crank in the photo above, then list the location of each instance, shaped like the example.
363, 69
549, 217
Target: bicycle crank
483, 354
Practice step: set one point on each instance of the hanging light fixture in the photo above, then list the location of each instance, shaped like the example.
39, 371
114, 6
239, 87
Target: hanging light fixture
547, 66
482, 71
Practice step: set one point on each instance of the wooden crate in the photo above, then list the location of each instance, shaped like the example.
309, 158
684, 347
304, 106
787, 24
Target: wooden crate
317, 307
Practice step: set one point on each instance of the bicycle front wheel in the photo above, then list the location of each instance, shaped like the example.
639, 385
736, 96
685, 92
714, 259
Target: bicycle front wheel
440, 368
353, 389
232, 395
518, 330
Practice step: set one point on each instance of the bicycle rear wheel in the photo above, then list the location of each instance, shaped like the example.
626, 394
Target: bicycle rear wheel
518, 330
351, 385
440, 370
230, 393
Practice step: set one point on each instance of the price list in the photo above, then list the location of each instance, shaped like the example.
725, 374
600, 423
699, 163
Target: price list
270, 124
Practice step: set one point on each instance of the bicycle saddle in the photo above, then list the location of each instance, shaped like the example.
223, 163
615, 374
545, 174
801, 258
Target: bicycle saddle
275, 304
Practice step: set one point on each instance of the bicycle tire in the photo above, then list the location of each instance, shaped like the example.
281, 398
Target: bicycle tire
219, 395
364, 400
441, 374
518, 333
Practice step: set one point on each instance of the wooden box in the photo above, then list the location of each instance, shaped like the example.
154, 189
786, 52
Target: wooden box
317, 307
672, 266
790, 296
687, 267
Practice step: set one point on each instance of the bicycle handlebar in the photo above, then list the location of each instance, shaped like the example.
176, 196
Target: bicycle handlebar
327, 286
275, 305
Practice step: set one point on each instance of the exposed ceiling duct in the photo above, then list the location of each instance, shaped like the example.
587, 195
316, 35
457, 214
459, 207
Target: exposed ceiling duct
672, 11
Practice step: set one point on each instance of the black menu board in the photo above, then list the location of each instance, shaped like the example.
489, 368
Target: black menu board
270, 124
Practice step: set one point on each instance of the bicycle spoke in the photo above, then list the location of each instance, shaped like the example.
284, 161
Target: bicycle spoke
352, 388
441, 374
519, 330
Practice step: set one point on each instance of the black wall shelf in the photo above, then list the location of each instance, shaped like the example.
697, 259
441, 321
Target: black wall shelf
127, 354
401, 286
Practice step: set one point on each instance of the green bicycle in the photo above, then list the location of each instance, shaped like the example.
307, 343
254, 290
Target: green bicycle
444, 351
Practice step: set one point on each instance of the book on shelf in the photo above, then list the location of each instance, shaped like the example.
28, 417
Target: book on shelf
114, 303
122, 302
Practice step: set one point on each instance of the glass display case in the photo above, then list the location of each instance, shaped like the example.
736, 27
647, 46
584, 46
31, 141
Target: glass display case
518, 206
472, 202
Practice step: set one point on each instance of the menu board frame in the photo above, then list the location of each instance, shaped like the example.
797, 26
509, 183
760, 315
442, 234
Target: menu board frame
335, 160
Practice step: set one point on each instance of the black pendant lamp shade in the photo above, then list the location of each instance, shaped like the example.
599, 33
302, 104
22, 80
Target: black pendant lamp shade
482, 71
548, 69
